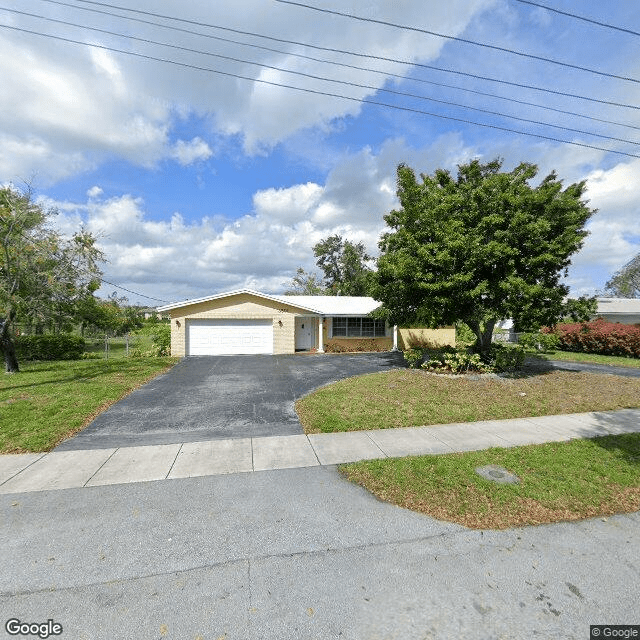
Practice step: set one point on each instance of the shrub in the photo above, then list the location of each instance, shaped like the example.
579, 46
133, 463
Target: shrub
49, 347
539, 341
413, 356
600, 336
455, 361
504, 357
362, 345
162, 340
464, 335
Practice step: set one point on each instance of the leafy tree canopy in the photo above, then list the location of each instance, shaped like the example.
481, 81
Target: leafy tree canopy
344, 265
114, 316
479, 248
43, 276
626, 282
305, 284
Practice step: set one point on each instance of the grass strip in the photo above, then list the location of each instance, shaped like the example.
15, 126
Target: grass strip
50, 401
407, 398
591, 358
558, 482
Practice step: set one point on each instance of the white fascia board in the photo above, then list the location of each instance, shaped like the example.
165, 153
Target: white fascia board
228, 294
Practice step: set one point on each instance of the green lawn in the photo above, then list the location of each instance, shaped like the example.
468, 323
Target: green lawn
592, 358
49, 401
407, 398
559, 481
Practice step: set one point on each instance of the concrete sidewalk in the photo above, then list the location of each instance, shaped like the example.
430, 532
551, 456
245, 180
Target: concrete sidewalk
89, 468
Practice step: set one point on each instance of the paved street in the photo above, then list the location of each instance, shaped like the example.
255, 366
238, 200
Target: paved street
300, 554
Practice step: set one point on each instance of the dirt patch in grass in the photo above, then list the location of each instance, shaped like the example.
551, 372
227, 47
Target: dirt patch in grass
558, 482
406, 398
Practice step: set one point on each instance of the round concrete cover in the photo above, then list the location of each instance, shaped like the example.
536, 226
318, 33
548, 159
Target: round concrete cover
497, 474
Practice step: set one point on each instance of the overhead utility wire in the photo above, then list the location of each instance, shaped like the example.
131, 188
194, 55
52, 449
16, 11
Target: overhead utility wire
320, 48
457, 39
332, 62
326, 79
577, 17
117, 286
318, 92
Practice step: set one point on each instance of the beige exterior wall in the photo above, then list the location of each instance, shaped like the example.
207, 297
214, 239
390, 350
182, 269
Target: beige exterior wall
437, 337
238, 307
247, 307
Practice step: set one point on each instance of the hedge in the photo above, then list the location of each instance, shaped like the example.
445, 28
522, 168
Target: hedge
600, 336
49, 347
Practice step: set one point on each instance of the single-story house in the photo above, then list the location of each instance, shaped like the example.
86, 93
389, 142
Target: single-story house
251, 322
623, 310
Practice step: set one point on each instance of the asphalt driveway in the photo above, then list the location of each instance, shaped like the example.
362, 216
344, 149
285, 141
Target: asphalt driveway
216, 397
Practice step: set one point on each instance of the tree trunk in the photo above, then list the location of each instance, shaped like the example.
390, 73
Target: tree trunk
7, 346
484, 334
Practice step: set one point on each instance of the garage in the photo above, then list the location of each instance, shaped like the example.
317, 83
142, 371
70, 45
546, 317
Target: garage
229, 337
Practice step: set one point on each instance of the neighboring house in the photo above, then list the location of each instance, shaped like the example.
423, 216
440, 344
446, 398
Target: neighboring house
624, 310
250, 322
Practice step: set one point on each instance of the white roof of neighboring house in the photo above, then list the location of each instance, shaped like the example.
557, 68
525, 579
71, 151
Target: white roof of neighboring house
618, 305
318, 305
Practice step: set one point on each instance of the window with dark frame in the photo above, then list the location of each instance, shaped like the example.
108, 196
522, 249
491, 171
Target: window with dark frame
344, 327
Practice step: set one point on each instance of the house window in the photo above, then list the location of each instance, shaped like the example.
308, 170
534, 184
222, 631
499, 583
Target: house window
358, 328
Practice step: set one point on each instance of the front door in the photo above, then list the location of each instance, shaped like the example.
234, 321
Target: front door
304, 334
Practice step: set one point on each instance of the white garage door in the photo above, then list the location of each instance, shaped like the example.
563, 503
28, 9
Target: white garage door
229, 337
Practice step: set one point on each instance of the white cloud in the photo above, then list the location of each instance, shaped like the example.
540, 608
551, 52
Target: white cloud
95, 192
80, 106
195, 150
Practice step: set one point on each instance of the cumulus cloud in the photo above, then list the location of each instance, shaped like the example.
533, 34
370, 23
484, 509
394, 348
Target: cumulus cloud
195, 150
81, 105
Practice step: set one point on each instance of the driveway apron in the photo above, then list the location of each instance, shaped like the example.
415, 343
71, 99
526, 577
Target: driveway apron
221, 397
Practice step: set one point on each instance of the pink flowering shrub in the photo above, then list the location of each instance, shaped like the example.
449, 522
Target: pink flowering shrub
600, 336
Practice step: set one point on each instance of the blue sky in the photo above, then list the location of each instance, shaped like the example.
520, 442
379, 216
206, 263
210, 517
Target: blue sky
197, 182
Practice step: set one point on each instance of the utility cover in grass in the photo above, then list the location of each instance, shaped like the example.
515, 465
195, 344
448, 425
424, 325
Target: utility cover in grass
497, 474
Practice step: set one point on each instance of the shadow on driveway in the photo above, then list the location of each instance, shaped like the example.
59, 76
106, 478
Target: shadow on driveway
216, 397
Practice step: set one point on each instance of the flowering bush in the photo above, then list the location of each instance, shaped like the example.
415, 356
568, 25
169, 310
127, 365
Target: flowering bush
600, 336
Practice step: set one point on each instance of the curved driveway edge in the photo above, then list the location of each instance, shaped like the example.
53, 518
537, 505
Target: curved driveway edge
222, 397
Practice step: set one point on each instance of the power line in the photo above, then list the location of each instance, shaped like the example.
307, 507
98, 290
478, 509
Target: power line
117, 286
321, 48
318, 92
464, 40
577, 17
326, 79
321, 60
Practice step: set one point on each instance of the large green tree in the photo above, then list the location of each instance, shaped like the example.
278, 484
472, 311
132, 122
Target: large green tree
480, 247
43, 276
626, 282
344, 264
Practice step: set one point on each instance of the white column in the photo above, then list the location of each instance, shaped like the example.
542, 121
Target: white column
320, 336
395, 337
